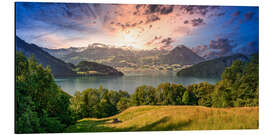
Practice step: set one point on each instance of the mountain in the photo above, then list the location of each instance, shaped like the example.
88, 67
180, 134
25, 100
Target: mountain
120, 57
58, 67
62, 52
104, 55
211, 68
181, 55
108, 55
93, 68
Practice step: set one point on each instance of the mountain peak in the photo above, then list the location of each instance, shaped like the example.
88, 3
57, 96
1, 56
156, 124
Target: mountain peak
181, 46
182, 55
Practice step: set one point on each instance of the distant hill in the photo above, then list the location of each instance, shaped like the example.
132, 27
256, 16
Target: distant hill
181, 55
211, 68
59, 68
93, 68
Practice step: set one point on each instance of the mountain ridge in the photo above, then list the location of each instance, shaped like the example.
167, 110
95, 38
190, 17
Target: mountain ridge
211, 68
58, 67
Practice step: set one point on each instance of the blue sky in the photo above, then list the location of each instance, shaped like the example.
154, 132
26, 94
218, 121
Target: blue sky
208, 30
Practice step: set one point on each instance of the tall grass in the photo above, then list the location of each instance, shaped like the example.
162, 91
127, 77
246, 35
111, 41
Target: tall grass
161, 118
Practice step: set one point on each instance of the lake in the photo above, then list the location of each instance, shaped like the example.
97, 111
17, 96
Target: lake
127, 83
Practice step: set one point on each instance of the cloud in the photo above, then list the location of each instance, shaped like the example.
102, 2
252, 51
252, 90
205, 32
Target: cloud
200, 49
197, 22
166, 9
186, 22
236, 13
154, 9
166, 43
220, 14
154, 40
234, 16
152, 18
248, 16
250, 48
223, 45
160, 43
202, 10
216, 48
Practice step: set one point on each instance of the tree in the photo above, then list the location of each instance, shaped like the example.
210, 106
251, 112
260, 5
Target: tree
239, 85
202, 92
40, 105
170, 94
189, 98
123, 104
144, 95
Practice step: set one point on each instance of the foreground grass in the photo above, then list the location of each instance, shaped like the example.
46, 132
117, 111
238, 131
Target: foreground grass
161, 118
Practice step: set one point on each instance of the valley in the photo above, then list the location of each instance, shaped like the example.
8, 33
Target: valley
130, 61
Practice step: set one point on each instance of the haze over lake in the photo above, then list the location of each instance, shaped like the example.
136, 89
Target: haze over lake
127, 83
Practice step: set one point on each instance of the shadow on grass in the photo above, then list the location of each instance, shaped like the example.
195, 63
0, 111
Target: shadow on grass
98, 126
94, 126
157, 126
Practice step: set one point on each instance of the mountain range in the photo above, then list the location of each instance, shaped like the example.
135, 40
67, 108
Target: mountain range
58, 67
119, 57
99, 59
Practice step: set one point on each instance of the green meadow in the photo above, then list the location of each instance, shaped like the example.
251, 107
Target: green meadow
164, 118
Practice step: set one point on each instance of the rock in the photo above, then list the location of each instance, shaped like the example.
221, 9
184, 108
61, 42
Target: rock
115, 120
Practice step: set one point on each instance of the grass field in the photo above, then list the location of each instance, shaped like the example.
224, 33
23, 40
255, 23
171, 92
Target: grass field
161, 118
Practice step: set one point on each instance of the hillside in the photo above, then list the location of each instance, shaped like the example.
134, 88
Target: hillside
59, 68
181, 55
211, 68
164, 118
93, 68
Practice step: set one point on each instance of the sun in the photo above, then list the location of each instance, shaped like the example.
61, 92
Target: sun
129, 38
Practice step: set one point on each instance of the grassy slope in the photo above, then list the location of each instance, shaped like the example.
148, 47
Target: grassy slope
158, 118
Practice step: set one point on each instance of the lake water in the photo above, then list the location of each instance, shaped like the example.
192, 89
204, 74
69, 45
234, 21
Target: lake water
127, 83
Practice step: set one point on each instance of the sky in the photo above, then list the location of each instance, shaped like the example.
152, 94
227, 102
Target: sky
207, 30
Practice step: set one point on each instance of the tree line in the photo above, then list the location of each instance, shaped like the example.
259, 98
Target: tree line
41, 106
